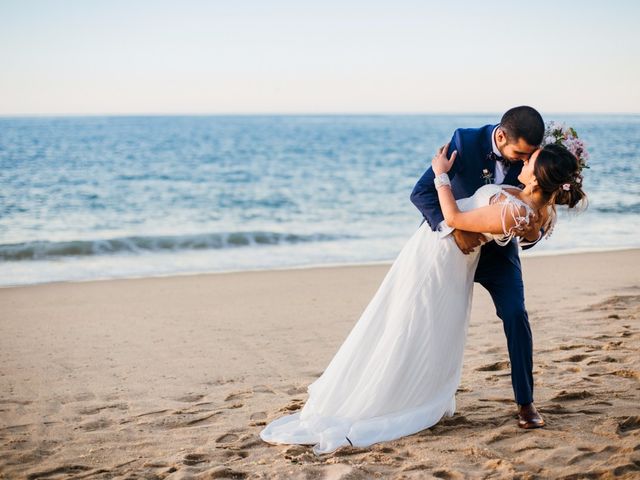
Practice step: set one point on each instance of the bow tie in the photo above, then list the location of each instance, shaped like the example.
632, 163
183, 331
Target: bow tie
496, 158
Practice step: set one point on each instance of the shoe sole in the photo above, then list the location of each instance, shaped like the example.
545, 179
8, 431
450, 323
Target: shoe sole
531, 425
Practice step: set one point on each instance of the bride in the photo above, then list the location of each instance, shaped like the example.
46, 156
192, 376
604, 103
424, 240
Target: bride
399, 368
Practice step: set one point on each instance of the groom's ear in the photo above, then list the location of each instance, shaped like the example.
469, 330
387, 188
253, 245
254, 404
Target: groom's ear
501, 137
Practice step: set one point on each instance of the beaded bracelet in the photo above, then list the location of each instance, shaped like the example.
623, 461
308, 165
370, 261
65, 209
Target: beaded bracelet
442, 179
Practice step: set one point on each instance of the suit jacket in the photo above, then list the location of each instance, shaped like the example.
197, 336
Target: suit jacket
467, 173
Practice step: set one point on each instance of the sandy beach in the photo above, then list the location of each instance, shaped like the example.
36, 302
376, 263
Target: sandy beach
174, 377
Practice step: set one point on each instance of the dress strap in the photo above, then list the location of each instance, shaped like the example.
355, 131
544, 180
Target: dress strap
511, 207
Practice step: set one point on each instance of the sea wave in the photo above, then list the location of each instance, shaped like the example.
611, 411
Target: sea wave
43, 249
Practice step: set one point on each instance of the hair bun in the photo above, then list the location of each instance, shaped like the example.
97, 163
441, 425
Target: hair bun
559, 176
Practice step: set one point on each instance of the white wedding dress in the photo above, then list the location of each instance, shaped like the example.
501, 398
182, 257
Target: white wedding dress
399, 368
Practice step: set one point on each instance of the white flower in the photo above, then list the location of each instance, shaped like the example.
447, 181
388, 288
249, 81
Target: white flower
559, 133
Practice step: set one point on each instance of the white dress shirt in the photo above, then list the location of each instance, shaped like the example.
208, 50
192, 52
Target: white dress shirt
500, 170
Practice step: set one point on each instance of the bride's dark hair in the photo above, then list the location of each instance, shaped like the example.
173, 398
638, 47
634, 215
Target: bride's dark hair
557, 171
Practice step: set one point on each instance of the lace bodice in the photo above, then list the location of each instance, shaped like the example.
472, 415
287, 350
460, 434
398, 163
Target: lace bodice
491, 194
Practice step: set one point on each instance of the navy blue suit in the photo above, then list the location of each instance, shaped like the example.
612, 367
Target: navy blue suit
499, 268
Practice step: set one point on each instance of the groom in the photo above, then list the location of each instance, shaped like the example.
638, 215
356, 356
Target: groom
494, 154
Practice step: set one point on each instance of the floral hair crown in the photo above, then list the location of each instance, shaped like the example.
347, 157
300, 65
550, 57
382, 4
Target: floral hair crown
559, 134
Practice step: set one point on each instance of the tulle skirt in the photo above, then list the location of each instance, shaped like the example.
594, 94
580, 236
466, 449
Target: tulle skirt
398, 370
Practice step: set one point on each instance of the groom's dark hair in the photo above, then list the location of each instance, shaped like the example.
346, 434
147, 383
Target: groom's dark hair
523, 122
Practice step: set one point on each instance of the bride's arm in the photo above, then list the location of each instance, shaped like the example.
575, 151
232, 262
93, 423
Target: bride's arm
488, 219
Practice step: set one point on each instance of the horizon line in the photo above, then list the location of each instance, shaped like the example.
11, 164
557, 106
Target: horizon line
290, 114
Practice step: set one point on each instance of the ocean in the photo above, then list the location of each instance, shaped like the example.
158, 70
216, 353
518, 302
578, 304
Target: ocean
85, 198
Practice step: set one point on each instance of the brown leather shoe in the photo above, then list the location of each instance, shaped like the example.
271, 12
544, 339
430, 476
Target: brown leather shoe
528, 417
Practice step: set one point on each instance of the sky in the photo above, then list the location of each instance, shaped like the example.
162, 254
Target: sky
275, 56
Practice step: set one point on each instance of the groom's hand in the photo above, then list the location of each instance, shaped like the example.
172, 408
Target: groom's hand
530, 231
467, 241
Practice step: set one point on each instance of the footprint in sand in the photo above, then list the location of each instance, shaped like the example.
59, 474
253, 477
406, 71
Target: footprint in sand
423, 466
606, 359
155, 412
227, 438
625, 374
602, 337
292, 406
99, 424
249, 441
384, 449
617, 302
17, 402
258, 418
612, 345
238, 395
588, 453
572, 346
447, 474
195, 458
629, 423
498, 436
296, 451
63, 469
230, 455
224, 472
565, 396
190, 397
455, 421
574, 358
493, 350
296, 389
368, 457
179, 419
533, 444
555, 409
83, 397
234, 447
263, 389
220, 381
94, 410
497, 399
17, 428
500, 466
200, 419
492, 367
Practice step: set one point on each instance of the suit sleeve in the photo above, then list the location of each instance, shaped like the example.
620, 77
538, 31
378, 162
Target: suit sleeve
526, 245
425, 196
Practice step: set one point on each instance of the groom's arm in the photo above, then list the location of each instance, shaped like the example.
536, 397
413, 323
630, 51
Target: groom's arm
425, 196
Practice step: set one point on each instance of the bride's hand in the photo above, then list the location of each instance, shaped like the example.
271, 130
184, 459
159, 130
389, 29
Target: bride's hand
440, 163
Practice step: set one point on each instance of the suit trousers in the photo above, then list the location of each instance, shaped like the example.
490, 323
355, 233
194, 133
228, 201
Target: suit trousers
499, 271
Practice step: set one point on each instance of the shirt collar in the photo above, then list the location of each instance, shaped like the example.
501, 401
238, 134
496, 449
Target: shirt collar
493, 142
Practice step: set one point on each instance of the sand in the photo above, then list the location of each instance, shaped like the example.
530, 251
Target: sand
174, 377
